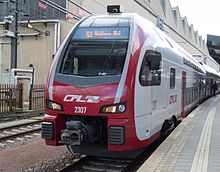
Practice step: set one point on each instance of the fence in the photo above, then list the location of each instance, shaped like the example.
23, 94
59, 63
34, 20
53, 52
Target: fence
36, 99
10, 97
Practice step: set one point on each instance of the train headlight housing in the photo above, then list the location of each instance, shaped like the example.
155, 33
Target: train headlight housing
122, 108
116, 108
53, 105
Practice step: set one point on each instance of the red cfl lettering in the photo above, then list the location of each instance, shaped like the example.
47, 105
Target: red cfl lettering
173, 99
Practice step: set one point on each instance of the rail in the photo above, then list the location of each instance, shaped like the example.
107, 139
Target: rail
11, 132
92, 163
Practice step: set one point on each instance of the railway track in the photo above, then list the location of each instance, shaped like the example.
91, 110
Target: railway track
90, 163
98, 164
13, 131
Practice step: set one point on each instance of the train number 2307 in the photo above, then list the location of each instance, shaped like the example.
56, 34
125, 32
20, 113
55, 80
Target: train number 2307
80, 109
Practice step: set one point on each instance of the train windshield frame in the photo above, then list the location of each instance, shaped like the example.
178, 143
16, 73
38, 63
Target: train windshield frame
95, 53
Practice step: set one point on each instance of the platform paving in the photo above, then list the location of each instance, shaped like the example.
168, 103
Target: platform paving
194, 146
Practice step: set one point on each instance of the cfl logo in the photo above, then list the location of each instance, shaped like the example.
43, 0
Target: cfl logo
80, 98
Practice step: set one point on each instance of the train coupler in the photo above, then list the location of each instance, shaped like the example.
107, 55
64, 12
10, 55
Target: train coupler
77, 133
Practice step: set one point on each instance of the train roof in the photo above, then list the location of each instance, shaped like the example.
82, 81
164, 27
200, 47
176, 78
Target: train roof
119, 19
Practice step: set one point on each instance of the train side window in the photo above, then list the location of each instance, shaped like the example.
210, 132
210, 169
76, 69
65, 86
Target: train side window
150, 73
172, 78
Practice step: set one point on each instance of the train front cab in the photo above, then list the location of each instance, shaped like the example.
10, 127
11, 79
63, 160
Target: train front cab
89, 96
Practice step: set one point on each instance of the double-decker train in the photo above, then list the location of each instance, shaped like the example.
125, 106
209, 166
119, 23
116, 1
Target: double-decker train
117, 83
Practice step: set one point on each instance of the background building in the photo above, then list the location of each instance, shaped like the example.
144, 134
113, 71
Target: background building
44, 24
32, 9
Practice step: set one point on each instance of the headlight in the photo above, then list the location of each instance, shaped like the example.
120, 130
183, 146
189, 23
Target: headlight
117, 108
53, 105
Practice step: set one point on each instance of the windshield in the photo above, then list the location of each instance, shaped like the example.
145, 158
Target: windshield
96, 52
94, 58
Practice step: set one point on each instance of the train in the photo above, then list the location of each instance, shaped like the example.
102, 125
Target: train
118, 83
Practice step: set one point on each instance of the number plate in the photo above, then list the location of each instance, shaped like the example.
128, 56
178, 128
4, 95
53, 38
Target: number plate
80, 109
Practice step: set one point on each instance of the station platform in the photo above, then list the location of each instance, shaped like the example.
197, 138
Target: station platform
194, 146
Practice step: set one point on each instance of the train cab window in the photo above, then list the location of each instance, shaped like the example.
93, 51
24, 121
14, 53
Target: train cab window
150, 73
172, 78
94, 58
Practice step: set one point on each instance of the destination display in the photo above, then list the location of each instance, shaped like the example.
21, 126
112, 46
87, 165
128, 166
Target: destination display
102, 33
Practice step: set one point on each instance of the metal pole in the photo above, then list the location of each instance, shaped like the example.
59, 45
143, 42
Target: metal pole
31, 88
14, 40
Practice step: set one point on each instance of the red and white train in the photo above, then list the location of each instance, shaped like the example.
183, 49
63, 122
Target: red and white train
117, 83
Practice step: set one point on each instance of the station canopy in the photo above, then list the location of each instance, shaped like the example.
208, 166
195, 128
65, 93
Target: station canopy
213, 44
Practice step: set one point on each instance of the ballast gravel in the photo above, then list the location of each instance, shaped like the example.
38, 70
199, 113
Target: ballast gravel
18, 141
53, 165
35, 156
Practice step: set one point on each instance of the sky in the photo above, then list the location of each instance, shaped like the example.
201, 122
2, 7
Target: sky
203, 14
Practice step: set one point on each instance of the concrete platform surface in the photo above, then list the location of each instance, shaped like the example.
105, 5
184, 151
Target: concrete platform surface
194, 146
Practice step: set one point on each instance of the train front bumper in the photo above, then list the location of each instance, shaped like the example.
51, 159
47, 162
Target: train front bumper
121, 133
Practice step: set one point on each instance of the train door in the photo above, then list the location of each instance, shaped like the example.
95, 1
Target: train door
147, 76
159, 101
183, 99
